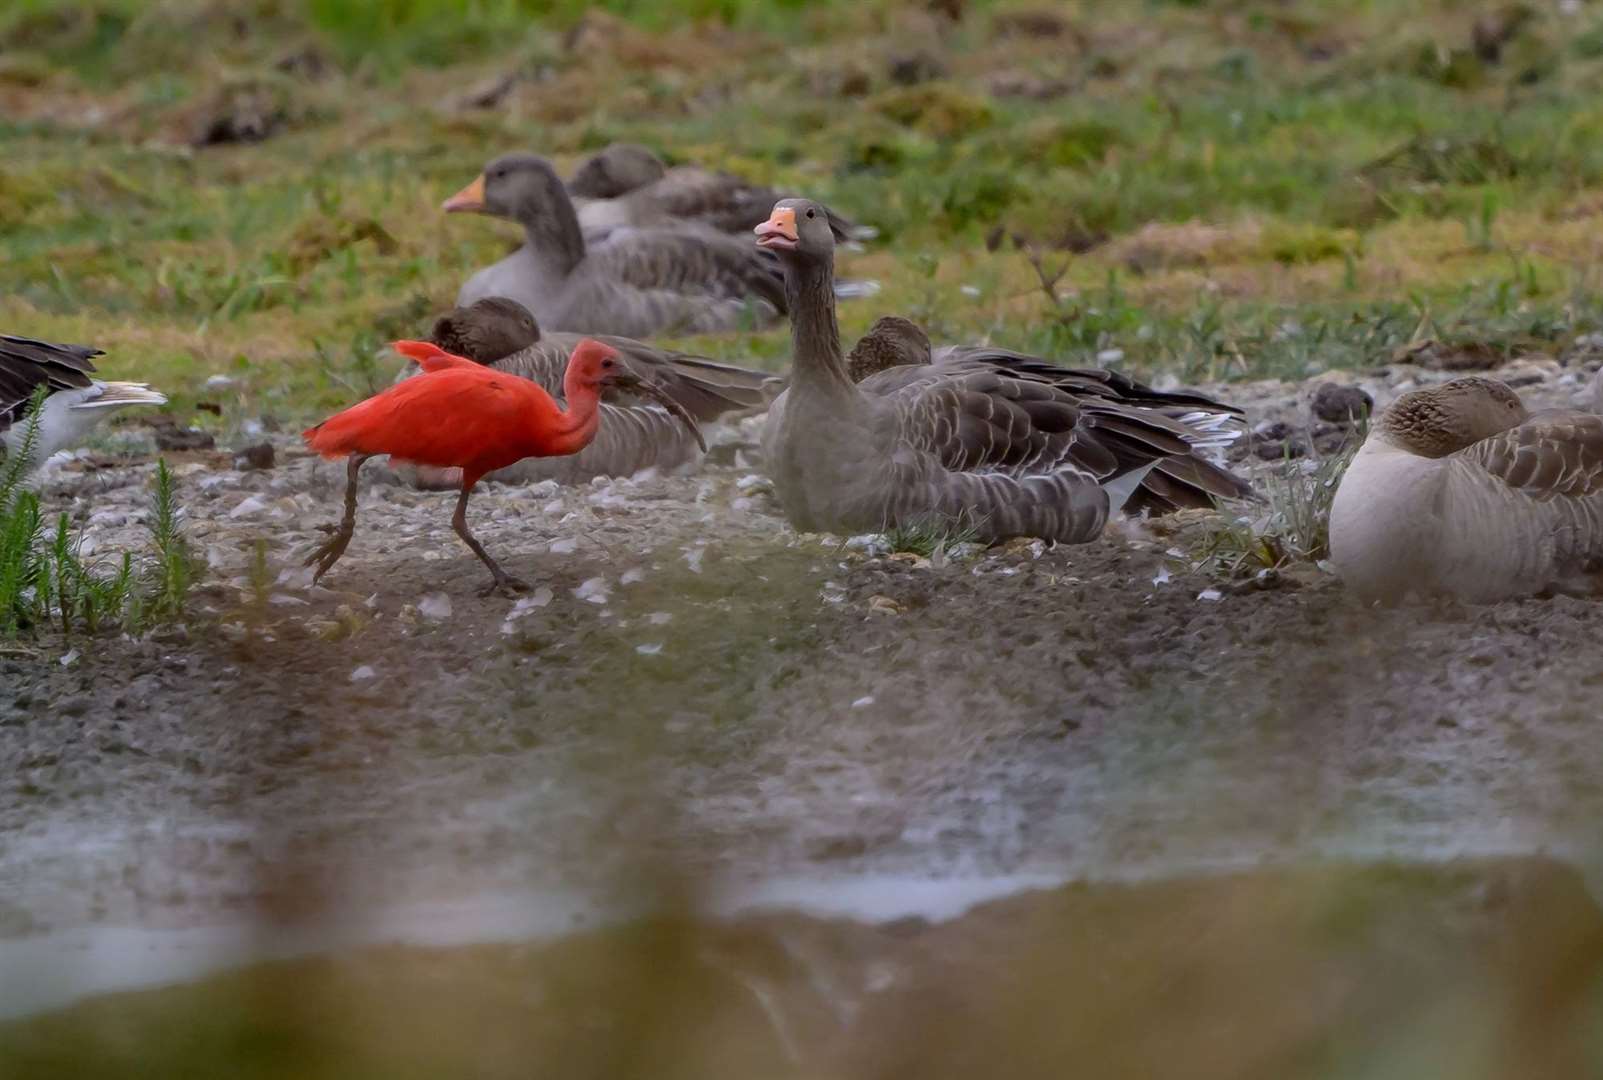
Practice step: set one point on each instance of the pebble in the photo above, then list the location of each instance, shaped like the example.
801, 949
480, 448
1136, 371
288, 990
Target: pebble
435, 606
593, 590
363, 673
248, 507
1339, 404
255, 458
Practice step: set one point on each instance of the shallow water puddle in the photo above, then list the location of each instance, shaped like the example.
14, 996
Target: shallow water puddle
1486, 969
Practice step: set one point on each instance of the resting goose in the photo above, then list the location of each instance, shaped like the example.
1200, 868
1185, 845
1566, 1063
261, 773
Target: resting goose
1004, 444
1459, 491
637, 283
635, 433
891, 342
626, 185
74, 403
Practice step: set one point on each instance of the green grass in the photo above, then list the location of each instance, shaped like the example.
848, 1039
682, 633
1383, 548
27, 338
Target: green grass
45, 583
1359, 193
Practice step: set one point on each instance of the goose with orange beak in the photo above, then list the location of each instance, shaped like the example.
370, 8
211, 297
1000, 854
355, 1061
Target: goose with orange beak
980, 439
636, 283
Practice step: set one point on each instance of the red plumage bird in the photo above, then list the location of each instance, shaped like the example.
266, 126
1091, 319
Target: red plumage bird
465, 415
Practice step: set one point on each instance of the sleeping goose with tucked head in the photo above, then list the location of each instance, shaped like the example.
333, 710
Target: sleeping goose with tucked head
626, 185
1459, 491
636, 283
997, 442
75, 400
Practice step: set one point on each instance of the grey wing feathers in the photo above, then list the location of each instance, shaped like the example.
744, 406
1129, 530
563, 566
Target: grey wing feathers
996, 410
706, 388
690, 263
717, 200
25, 363
628, 439
1555, 452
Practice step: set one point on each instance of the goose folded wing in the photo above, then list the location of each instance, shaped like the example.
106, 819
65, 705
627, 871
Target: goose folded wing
987, 422
706, 388
1557, 452
1089, 382
687, 263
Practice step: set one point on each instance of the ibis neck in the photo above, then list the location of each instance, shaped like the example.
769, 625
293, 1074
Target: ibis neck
814, 333
575, 425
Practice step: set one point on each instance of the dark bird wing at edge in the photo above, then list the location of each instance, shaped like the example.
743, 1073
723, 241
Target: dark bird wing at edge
25, 363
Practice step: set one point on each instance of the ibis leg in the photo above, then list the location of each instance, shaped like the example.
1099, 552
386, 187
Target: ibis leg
500, 580
340, 535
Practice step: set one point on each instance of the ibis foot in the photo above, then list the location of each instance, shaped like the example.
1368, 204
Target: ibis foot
504, 585
328, 553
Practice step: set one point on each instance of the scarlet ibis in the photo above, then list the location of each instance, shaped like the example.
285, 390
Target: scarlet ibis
75, 400
459, 414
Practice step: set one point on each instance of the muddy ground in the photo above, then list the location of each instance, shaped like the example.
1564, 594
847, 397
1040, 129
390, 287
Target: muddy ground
694, 693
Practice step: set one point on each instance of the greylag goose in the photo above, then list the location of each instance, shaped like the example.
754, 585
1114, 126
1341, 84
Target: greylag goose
1459, 491
626, 185
636, 432
74, 403
636, 283
891, 342
1003, 444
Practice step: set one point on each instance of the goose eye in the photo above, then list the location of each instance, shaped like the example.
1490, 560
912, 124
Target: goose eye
811, 213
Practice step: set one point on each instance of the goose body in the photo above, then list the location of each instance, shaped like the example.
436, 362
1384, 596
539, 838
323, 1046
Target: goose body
636, 432
1458, 491
75, 402
635, 283
626, 185
998, 443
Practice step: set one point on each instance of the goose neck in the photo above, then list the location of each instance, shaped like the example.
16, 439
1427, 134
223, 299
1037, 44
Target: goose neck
814, 333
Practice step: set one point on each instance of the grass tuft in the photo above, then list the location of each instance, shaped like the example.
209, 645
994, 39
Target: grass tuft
1294, 525
45, 582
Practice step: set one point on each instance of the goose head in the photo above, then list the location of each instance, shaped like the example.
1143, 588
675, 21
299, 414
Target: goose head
798, 231
891, 342
616, 170
486, 330
519, 187
1439, 420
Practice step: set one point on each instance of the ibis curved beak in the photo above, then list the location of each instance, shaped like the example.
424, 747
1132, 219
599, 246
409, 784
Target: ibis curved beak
624, 380
470, 200
779, 231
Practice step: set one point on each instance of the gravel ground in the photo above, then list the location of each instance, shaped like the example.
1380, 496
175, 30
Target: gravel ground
692, 685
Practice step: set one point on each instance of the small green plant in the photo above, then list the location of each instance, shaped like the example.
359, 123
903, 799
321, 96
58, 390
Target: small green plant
1294, 525
1479, 226
926, 538
45, 581
174, 571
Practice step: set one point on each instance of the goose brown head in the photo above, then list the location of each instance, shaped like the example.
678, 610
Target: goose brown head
1439, 420
486, 330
